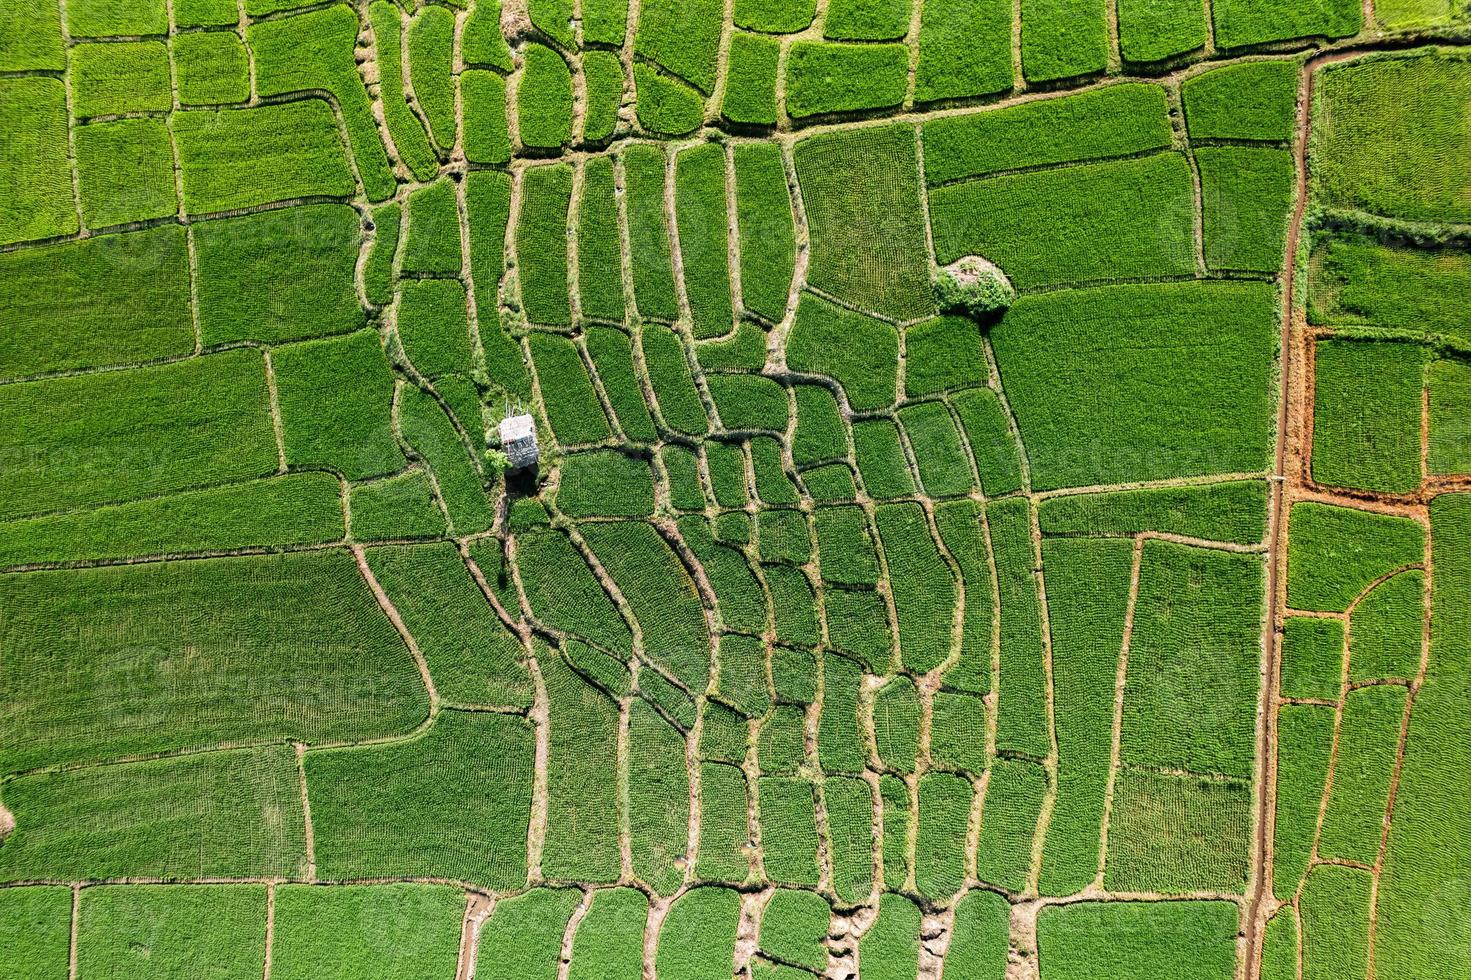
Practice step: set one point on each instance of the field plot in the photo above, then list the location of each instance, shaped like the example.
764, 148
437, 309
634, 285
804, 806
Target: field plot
768, 489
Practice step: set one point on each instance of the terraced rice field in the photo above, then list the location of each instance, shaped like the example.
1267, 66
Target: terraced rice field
1003, 508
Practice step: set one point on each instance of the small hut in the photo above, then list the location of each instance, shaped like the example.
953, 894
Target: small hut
518, 441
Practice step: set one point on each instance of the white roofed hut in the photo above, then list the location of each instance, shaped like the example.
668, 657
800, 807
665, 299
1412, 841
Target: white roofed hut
518, 441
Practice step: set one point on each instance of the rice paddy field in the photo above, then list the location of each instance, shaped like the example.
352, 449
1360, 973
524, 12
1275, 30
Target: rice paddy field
1001, 510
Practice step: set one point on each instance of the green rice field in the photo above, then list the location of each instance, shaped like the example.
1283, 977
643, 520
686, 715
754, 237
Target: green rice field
762, 489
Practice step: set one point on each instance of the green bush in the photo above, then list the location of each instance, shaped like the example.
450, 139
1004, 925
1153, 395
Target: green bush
682, 467
782, 747
820, 434
839, 745
336, 402
554, 18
